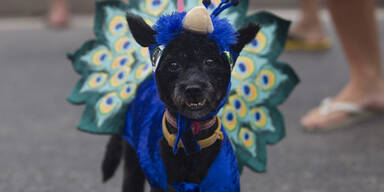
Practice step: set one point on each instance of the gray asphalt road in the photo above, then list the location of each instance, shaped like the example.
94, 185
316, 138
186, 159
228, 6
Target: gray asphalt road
41, 151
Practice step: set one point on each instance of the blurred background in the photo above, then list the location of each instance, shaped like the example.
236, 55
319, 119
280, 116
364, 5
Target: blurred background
41, 150
20, 8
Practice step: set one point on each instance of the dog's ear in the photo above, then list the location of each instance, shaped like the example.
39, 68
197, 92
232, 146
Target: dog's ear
245, 35
141, 31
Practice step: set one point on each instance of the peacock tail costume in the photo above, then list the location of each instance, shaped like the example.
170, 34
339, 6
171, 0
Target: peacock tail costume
119, 92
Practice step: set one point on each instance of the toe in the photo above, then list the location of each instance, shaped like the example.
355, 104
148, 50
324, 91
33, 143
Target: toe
310, 120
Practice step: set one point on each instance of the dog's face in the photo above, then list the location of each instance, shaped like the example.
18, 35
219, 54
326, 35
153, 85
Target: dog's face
192, 76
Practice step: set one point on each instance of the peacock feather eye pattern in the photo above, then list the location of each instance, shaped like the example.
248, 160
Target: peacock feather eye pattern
266, 79
124, 46
247, 137
239, 105
229, 118
259, 117
155, 7
107, 106
128, 91
97, 80
118, 25
94, 82
248, 91
120, 77
258, 44
143, 71
123, 61
245, 67
108, 103
263, 42
101, 56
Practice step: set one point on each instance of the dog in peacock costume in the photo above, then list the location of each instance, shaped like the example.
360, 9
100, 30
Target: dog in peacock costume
118, 87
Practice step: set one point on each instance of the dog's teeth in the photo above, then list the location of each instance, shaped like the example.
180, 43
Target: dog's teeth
202, 103
191, 104
199, 104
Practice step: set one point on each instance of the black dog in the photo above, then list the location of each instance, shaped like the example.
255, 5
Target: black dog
192, 78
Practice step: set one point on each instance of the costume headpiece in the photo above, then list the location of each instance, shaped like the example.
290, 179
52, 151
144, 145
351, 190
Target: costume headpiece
196, 20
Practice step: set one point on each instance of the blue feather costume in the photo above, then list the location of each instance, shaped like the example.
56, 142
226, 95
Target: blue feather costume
120, 94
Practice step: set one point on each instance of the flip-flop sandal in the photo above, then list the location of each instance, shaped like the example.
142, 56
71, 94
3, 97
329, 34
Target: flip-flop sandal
298, 44
356, 113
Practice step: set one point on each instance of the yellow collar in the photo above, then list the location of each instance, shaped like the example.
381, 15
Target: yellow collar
204, 143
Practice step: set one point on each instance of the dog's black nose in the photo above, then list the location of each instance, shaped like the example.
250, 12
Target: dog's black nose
193, 92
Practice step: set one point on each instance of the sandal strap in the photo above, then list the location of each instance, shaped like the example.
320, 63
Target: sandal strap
329, 106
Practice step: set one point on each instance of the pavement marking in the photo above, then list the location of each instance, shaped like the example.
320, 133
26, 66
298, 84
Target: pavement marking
86, 21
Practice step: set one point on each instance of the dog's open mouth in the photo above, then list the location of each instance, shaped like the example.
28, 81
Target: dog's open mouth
196, 105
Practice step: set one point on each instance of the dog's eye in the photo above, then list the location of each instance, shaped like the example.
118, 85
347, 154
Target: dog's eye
173, 67
210, 62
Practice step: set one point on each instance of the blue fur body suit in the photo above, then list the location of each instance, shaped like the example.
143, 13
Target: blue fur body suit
143, 131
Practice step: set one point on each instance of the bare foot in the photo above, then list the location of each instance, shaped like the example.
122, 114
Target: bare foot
369, 97
317, 120
309, 32
58, 15
376, 100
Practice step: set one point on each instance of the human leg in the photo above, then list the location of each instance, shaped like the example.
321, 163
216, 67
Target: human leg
356, 26
308, 33
58, 14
